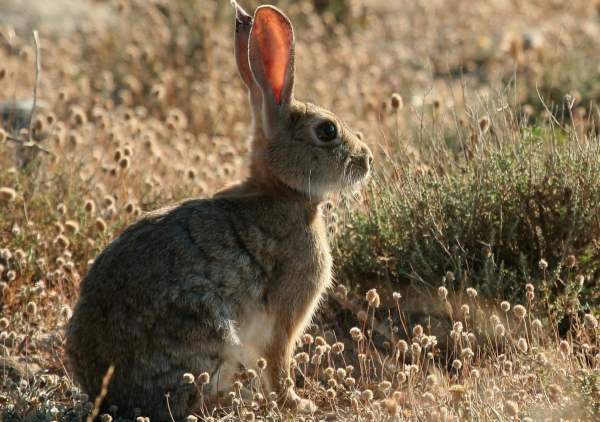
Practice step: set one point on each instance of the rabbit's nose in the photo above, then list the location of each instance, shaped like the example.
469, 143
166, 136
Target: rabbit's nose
367, 157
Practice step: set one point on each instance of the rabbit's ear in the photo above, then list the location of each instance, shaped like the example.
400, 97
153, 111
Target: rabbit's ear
271, 55
243, 24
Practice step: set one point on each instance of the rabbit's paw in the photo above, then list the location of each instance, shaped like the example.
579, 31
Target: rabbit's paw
302, 406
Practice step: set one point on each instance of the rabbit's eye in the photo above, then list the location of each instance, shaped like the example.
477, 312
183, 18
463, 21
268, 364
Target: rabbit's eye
326, 131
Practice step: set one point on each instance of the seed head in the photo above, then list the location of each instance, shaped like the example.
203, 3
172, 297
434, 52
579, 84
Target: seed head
72, 226
442, 292
472, 293
261, 364
466, 353
307, 339
450, 276
89, 207
537, 324
373, 298
543, 264
366, 395
484, 124
520, 311
465, 309
418, 330
204, 378
565, 347
415, 349
522, 345
355, 333
61, 241
4, 323
7, 194
590, 321
302, 357
337, 348
505, 306
396, 101
571, 261
499, 330
331, 394
429, 398
396, 296
529, 287
124, 163
457, 364
554, 392
402, 346
188, 378
100, 225
511, 408
31, 309
191, 418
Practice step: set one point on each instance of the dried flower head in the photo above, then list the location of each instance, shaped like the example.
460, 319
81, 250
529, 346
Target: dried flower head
373, 298
565, 347
442, 292
366, 395
484, 124
203, 378
188, 378
520, 311
590, 321
396, 101
31, 309
402, 346
7, 194
522, 345
511, 408
505, 306
499, 330
471, 292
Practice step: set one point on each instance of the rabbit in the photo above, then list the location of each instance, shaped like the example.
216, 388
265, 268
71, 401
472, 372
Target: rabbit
212, 285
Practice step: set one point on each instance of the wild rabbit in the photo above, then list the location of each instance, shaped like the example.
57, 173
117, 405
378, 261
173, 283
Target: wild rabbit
212, 285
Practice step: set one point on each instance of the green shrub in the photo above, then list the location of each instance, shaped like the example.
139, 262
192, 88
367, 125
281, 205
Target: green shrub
527, 195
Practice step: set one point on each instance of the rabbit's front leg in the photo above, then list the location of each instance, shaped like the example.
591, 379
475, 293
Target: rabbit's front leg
279, 357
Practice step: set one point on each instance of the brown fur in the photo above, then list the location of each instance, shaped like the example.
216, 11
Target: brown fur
170, 294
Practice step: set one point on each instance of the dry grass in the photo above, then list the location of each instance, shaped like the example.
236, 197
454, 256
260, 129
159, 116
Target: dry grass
144, 107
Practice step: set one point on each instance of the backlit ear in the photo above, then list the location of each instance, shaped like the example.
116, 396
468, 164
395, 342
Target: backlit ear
243, 24
271, 54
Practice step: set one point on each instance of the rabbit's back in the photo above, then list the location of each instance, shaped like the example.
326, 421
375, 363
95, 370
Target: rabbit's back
162, 300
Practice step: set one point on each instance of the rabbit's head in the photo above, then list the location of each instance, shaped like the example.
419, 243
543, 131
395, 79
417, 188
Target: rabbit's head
297, 144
